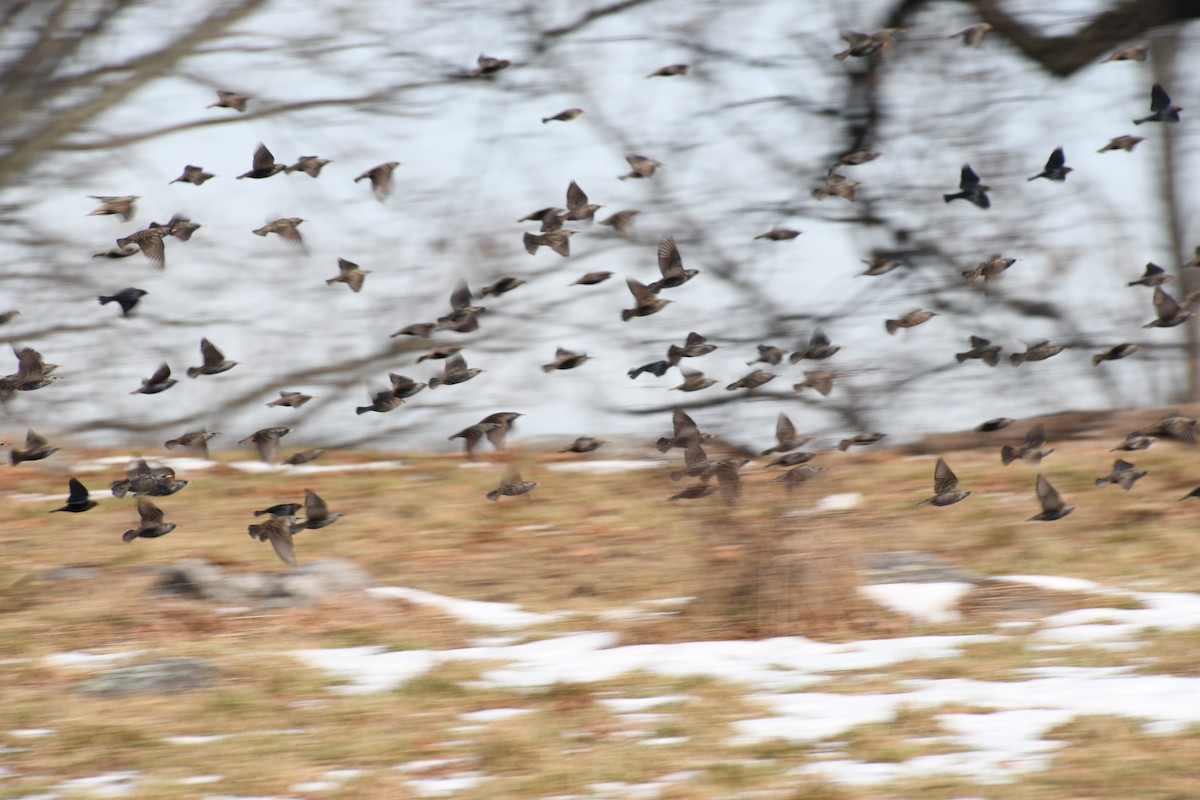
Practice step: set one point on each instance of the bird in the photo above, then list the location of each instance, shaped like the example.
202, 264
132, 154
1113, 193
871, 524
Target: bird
988, 270
622, 221
879, 266
1161, 109
819, 380
860, 439
1172, 426
511, 485
1170, 312
404, 387
970, 189
551, 218
503, 422
819, 348
693, 492
670, 264
381, 179
440, 352
1052, 503
77, 498
502, 286
36, 448
563, 116
838, 186
349, 274
1038, 351
160, 381
592, 278
309, 165
565, 359
263, 166
316, 513
583, 444
693, 347
695, 462
456, 371
382, 401
785, 437
655, 368
559, 241
303, 457
150, 522
286, 228
798, 474
230, 100
122, 206
768, 354
974, 35
673, 69
124, 251
178, 226
910, 320
1138, 52
1123, 350
645, 302
779, 234
1123, 474
32, 373
1133, 442
1056, 168
752, 381
982, 349
683, 432
1154, 275
215, 361
278, 531
862, 45
486, 65
150, 242
421, 329
126, 299
853, 159
994, 424
945, 486
142, 479
1126, 143
1195, 262
792, 459
193, 174
1032, 447
281, 510
472, 435
693, 381
641, 167
194, 441
290, 399
266, 441
578, 207
464, 315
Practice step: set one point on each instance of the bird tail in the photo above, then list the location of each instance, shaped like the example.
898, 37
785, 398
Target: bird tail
961, 357
628, 314
891, 325
1034, 178
259, 231
120, 489
1008, 454
663, 444
435, 382
842, 56
362, 410
844, 445
532, 243
194, 371
1096, 359
1135, 122
547, 368
129, 536
1017, 359
949, 197
493, 495
105, 299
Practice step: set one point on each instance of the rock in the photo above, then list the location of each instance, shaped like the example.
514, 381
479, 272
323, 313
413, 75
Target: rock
914, 566
165, 675
307, 584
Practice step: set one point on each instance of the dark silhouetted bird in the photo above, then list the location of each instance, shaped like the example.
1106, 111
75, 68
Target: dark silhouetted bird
382, 401
622, 221
309, 165
1139, 52
142, 479
464, 315
503, 422
670, 264
404, 387
578, 207
641, 167
178, 226
456, 371
304, 456
994, 424
511, 486
584, 444
1053, 506
316, 513
1038, 351
1032, 447
982, 349
1126, 143
36, 448
502, 286
785, 437
779, 234
1170, 312
752, 381
126, 299
264, 165
592, 278
819, 348
487, 65
150, 242
879, 266
565, 359
215, 361
349, 274
1161, 109
910, 320
287, 229
266, 441
1153, 276
551, 218
989, 270
1123, 474
683, 432
124, 251
645, 301
230, 100
472, 435
655, 368
819, 380
974, 35
558, 240
195, 442
563, 116
970, 189
1056, 168
122, 206
792, 460
278, 531
381, 179
768, 354
290, 399
1113, 353
694, 492
861, 439
421, 329
281, 510
150, 522
193, 174
440, 352
673, 69
945, 486
861, 45
77, 499
160, 381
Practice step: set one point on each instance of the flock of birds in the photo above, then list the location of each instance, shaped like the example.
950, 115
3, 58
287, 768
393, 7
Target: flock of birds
710, 475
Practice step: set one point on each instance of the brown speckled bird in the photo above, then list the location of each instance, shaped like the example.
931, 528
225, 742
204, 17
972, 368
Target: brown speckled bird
683, 432
792, 460
693, 381
263, 165
768, 354
693, 492
836, 185
36, 448
511, 485
563, 116
1032, 447
645, 301
502, 286
456, 371
1170, 312
278, 531
752, 381
309, 165
349, 274
1038, 351
988, 270
120, 205
1052, 503
693, 347
592, 278
381, 179
487, 65
286, 228
150, 522
861, 45
945, 486
667, 71
578, 207
819, 380
382, 401
982, 349
194, 175
819, 348
1126, 143
785, 437
910, 320
303, 457
779, 234
150, 242
583, 444
622, 221
266, 441
290, 399
195, 442
641, 167
559, 241
670, 265
316, 512
860, 439
160, 381
798, 475
215, 361
1172, 426
421, 329
565, 359
1116, 352
1123, 474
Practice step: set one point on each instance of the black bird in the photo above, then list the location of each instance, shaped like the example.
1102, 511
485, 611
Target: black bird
142, 479
264, 165
592, 278
1113, 353
1153, 276
487, 65
160, 381
1053, 506
126, 299
36, 448
670, 264
1056, 168
150, 524
266, 441
1161, 109
1193, 493
994, 424
215, 361
230, 100
281, 510
382, 401
316, 513
77, 499
971, 189
655, 368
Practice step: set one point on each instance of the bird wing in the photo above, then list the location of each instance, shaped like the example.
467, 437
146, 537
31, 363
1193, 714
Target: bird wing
694, 455
1048, 495
78, 493
149, 513
785, 431
944, 479
279, 531
212, 356
314, 506
818, 338
33, 441
682, 423
1159, 99
461, 296
1121, 465
160, 375
670, 264
267, 446
1164, 304
263, 159
345, 266
968, 178
455, 363
1036, 437
1056, 161
640, 293
576, 197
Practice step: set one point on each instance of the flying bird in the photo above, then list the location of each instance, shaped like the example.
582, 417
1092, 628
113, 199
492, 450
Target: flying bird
290, 399
1161, 109
860, 439
120, 205
578, 207
266, 441
974, 35
316, 513
910, 320
565, 359
945, 486
970, 189
670, 264
819, 348
160, 381
287, 229
215, 361
563, 116
195, 442
77, 499
381, 179
1052, 503
1136, 53
785, 437
558, 240
149, 241
487, 65
349, 274
1170, 312
263, 165
36, 448
511, 485
592, 278
673, 69
126, 299
1126, 143
1032, 448
645, 302
779, 234
150, 522
982, 349
583, 444
193, 174
1056, 168
502, 286
1039, 351
1153, 276
278, 531
230, 100
641, 167
309, 165
455, 371
1123, 474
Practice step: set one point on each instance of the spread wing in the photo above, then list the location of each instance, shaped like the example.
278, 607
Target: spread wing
78, 492
161, 374
785, 431
314, 506
1048, 495
151, 514
576, 197
263, 159
461, 296
639, 291
1036, 437
1159, 99
944, 479
1164, 304
670, 264
968, 179
1056, 161
212, 356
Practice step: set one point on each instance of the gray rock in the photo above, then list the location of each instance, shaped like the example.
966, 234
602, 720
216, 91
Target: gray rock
306, 584
166, 675
913, 566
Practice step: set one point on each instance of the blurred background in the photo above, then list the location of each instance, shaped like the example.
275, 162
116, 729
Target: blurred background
108, 97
